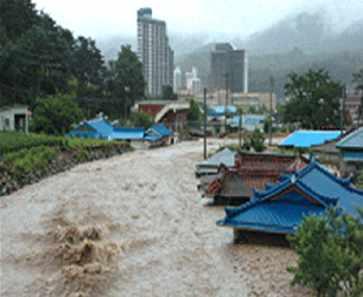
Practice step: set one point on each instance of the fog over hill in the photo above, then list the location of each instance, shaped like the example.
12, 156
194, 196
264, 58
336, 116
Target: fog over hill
314, 39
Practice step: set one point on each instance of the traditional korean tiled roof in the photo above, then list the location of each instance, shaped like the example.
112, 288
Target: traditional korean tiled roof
281, 207
309, 138
226, 157
211, 165
353, 140
252, 171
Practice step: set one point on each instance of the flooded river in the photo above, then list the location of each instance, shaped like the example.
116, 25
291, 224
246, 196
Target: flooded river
133, 225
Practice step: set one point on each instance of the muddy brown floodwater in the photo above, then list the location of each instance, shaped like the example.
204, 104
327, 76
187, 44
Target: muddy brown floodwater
133, 225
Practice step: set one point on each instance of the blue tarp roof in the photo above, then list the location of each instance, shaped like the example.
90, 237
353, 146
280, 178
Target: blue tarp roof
128, 134
219, 110
282, 207
309, 138
353, 140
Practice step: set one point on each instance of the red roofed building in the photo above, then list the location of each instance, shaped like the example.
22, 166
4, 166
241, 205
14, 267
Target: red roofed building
234, 186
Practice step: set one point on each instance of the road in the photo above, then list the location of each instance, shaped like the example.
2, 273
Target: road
147, 205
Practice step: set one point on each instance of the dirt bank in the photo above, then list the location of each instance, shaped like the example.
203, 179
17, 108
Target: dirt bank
162, 240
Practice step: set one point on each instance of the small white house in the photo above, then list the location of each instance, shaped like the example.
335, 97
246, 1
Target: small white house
14, 118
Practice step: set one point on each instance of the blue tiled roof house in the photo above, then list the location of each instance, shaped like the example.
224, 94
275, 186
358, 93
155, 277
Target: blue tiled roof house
96, 129
281, 207
351, 146
102, 129
158, 133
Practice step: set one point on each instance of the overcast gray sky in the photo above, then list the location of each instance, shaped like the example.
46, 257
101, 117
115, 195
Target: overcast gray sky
118, 17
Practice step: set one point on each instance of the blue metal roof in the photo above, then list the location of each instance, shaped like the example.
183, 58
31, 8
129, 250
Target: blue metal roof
102, 126
160, 129
102, 129
309, 138
249, 121
96, 128
219, 110
353, 140
128, 134
282, 207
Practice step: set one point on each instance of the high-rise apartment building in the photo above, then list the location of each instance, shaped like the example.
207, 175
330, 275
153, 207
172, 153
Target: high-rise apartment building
229, 69
178, 80
154, 52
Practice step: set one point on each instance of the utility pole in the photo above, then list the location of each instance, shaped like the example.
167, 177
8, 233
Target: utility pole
342, 109
205, 124
226, 102
272, 83
240, 129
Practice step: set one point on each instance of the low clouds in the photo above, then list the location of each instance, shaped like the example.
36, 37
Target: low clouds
115, 17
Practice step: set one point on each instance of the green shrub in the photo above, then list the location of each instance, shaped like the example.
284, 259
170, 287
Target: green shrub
330, 255
26, 161
55, 114
141, 120
14, 141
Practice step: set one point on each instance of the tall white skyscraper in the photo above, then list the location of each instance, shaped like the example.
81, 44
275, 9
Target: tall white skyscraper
154, 52
193, 82
178, 80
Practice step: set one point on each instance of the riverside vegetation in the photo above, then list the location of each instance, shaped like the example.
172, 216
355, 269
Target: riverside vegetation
25, 159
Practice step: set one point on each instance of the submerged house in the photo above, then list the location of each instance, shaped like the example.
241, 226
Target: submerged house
211, 165
102, 129
280, 208
159, 134
351, 149
235, 185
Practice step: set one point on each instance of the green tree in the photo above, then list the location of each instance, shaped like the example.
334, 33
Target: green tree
55, 114
16, 17
88, 67
358, 81
194, 114
125, 81
141, 120
257, 141
330, 259
313, 100
35, 59
168, 93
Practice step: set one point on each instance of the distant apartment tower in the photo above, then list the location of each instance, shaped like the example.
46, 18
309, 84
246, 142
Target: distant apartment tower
154, 52
193, 82
178, 80
229, 69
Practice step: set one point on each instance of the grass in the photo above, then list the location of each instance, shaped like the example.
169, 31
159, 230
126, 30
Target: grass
11, 141
26, 161
23, 154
